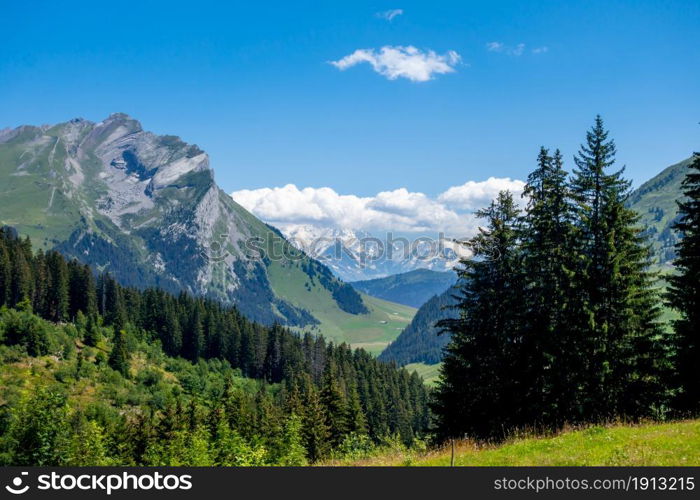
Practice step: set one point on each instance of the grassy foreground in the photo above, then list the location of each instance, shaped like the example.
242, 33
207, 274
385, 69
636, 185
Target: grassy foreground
667, 444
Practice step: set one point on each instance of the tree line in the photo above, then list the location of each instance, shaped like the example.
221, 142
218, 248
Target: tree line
559, 315
333, 393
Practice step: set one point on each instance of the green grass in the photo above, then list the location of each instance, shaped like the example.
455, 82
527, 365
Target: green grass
26, 199
430, 373
667, 444
372, 331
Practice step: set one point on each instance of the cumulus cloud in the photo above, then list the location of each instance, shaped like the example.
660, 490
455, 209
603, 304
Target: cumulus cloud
389, 15
474, 195
402, 62
399, 210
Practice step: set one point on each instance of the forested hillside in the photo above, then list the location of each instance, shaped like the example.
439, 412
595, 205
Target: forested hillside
420, 342
96, 373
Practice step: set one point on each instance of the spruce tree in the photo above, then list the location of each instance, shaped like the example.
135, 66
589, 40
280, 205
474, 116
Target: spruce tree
5, 271
315, 430
333, 400
92, 331
355, 419
57, 297
684, 295
550, 359
193, 335
119, 357
617, 313
477, 391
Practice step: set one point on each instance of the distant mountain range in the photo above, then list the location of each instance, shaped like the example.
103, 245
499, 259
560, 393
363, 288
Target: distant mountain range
146, 209
357, 255
413, 288
655, 201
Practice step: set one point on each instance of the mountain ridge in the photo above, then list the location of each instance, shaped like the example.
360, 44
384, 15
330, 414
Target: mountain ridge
412, 288
147, 209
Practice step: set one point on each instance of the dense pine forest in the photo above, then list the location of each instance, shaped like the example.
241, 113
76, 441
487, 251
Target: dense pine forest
558, 313
95, 373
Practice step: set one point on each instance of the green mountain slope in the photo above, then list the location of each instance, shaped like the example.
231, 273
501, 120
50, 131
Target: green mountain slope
420, 342
146, 209
413, 288
655, 201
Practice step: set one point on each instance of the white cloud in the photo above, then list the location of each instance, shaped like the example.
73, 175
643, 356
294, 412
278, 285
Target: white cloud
402, 62
397, 211
389, 15
540, 50
516, 50
474, 195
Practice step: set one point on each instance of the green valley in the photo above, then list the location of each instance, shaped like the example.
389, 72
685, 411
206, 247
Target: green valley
372, 331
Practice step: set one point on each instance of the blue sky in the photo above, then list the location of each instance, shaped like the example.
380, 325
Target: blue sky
253, 85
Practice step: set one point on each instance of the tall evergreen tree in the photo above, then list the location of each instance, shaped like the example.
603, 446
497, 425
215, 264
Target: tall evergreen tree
355, 419
618, 311
119, 357
477, 391
92, 331
550, 359
333, 400
57, 297
5, 271
112, 303
315, 429
684, 295
193, 335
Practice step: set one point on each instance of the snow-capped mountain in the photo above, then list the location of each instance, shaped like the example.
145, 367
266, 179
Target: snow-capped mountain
359, 255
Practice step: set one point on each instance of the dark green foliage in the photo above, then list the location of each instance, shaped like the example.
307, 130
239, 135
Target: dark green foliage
550, 357
21, 327
419, 342
92, 331
119, 356
335, 406
684, 295
342, 391
478, 389
38, 430
617, 309
559, 319
315, 430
